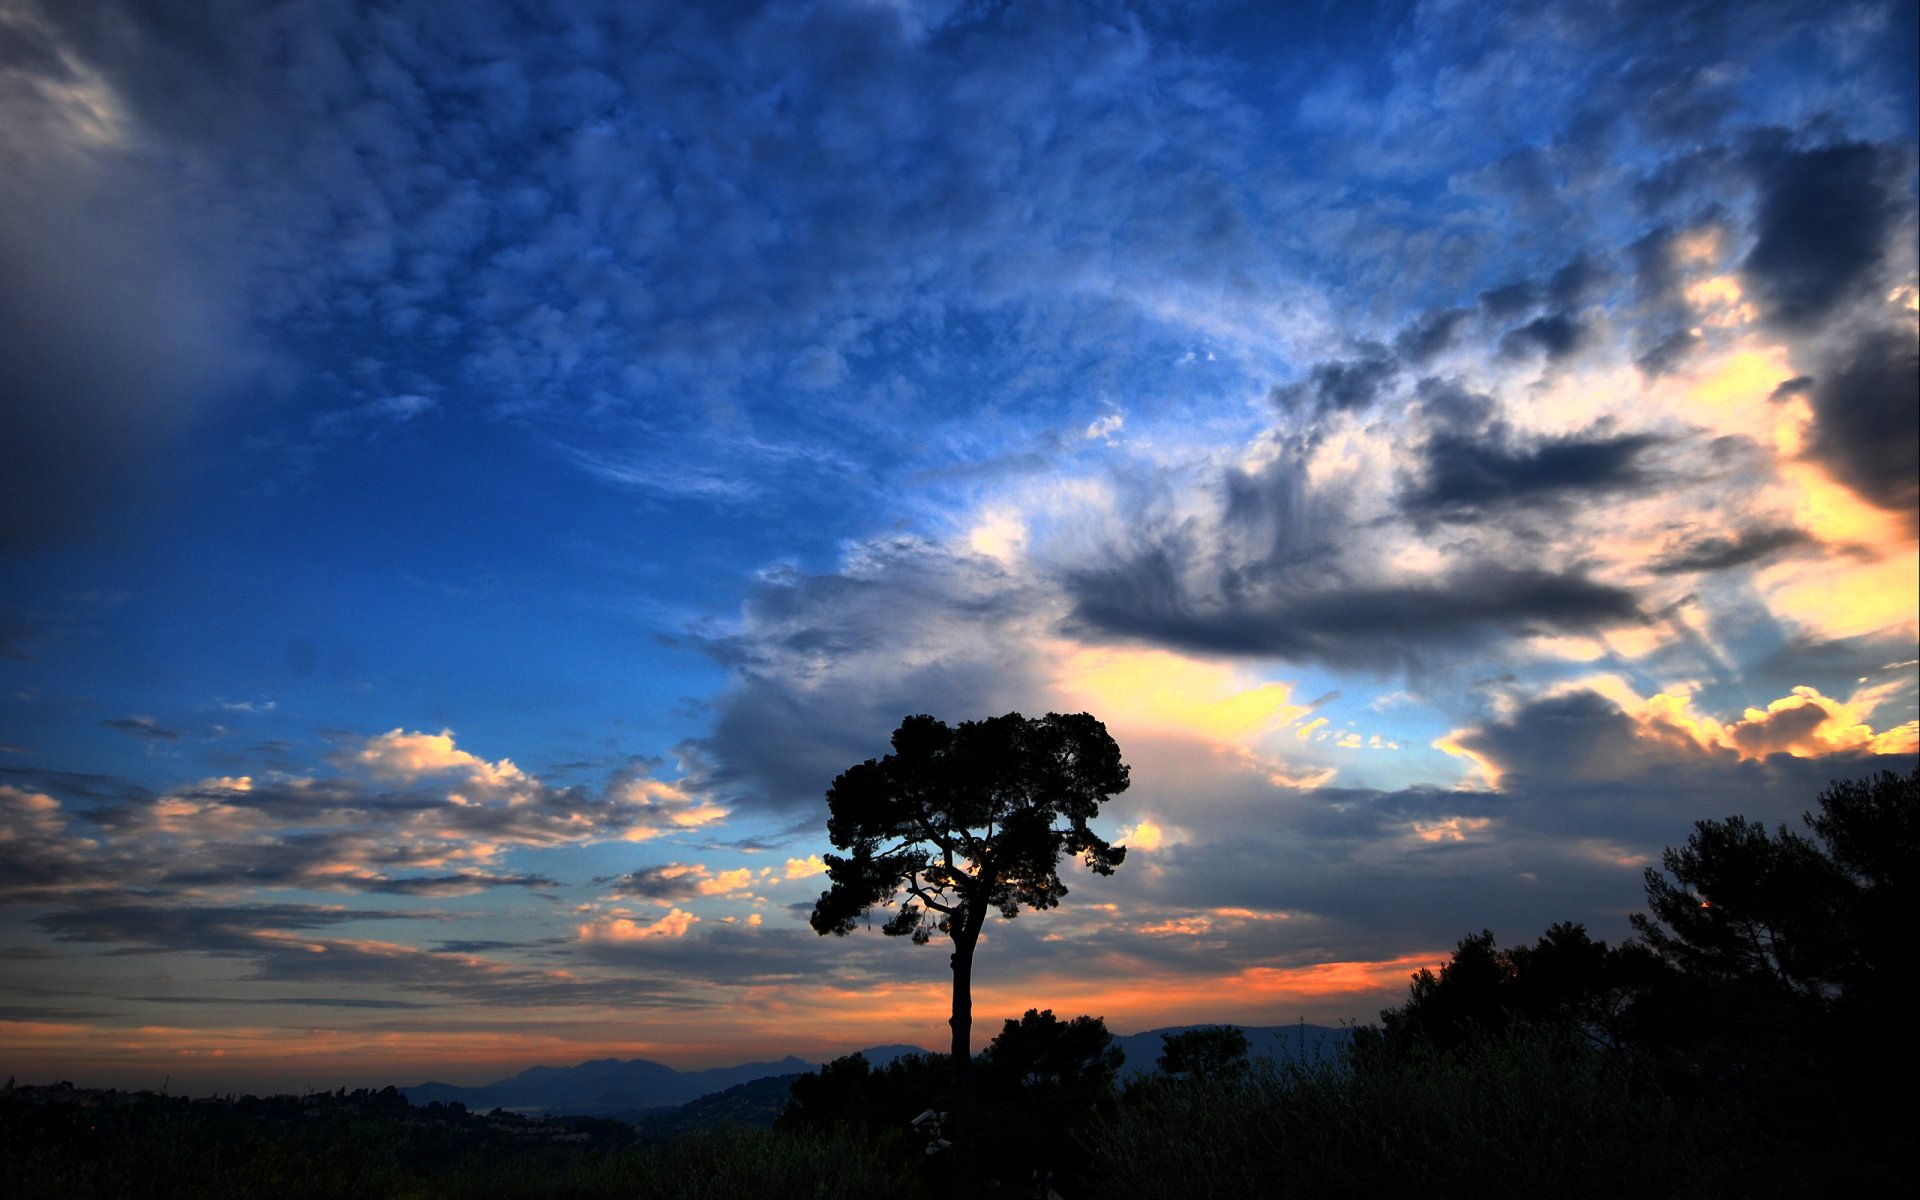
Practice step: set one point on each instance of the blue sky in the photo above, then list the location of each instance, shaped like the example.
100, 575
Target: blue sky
473, 475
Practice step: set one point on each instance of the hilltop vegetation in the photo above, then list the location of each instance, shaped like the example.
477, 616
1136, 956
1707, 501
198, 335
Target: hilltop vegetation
69, 1142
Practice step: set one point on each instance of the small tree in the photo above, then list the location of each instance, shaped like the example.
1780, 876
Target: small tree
959, 822
1211, 1052
1040, 1051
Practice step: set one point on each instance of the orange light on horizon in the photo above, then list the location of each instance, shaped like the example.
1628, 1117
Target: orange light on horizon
763, 1022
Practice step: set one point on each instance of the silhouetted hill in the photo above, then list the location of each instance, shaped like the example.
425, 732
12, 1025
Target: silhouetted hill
754, 1104
653, 1093
625, 1088
602, 1087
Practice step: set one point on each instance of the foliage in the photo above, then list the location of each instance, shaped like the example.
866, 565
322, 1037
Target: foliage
1528, 1115
354, 1145
1215, 1052
960, 821
1808, 921
849, 1098
1566, 981
1748, 906
1042, 1052
967, 819
1765, 985
1043, 1083
1871, 831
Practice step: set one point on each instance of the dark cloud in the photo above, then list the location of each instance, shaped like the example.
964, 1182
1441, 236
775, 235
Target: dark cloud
1448, 405
368, 1002
144, 727
461, 884
1369, 626
666, 882
1344, 384
1866, 419
1430, 334
151, 923
1823, 226
1669, 353
1577, 764
1715, 552
1799, 385
1581, 280
1463, 478
290, 943
1557, 335
1509, 300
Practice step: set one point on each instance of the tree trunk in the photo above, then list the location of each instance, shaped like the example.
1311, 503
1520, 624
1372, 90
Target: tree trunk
962, 1020
965, 1160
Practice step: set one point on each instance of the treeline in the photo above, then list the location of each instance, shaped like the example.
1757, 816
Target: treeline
1752, 1039
78, 1144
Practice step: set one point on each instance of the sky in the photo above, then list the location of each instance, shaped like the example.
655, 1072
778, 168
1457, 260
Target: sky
471, 475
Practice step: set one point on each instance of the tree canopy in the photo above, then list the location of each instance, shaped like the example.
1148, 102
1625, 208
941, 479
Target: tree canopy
1042, 1051
1210, 1052
963, 820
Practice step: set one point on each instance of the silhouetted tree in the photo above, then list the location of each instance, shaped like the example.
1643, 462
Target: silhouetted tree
1212, 1053
1565, 982
1040, 1051
1871, 830
1789, 961
1043, 1084
959, 822
1747, 907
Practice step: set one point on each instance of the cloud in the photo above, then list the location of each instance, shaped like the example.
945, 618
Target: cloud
1429, 334
1352, 383
804, 868
1714, 552
1557, 335
38, 854
1823, 226
1464, 476
1865, 429
398, 755
651, 808
1579, 738
625, 929
667, 881
438, 821
1384, 625
144, 727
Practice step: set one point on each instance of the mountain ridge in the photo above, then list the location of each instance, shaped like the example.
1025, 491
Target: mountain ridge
614, 1086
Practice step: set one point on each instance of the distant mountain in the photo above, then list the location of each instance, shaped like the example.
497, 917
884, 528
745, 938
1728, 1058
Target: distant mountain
629, 1088
601, 1088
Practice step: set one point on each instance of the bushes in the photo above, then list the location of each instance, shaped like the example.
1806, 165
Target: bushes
1528, 1116
162, 1147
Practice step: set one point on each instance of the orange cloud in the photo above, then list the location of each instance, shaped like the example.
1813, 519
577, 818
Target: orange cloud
726, 881
626, 929
657, 807
1804, 724
400, 755
801, 868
